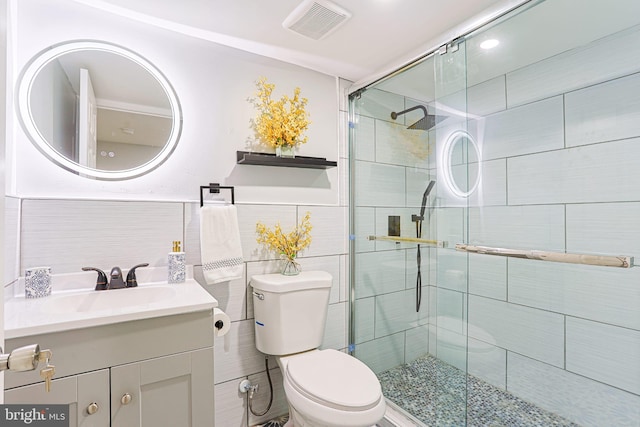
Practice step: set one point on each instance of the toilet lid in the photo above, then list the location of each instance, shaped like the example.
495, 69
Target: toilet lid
334, 379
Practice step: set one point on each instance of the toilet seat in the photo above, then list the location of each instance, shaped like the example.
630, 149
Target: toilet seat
335, 380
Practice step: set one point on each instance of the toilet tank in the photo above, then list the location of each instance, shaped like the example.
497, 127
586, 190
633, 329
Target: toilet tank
290, 311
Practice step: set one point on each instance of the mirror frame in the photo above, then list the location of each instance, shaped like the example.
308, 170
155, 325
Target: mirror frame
43, 58
447, 155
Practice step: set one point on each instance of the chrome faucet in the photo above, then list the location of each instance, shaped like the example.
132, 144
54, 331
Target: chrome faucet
116, 282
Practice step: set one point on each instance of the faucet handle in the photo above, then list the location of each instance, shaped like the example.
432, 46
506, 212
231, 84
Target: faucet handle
102, 283
132, 282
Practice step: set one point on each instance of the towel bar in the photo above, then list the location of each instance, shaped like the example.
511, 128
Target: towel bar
398, 239
585, 259
215, 188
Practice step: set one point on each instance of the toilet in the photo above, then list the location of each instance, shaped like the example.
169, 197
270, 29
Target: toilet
323, 387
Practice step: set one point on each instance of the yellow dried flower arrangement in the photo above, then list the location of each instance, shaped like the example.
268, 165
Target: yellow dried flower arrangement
280, 123
287, 245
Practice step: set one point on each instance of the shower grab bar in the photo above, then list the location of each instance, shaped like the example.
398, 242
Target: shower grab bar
435, 243
600, 260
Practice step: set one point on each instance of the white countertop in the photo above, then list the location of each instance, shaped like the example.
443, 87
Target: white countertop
82, 308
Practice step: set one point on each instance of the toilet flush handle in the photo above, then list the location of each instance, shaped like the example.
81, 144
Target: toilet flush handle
258, 295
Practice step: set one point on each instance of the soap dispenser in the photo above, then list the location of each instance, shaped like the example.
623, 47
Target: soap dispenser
176, 263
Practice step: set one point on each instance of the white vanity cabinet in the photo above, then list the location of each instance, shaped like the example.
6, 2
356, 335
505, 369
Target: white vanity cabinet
83, 393
149, 372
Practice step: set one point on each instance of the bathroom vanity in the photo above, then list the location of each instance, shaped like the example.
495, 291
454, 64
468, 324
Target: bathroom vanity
120, 365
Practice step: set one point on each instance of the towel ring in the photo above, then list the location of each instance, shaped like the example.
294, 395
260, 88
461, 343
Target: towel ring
215, 188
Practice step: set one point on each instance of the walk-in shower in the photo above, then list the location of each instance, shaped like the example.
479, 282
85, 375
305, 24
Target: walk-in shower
530, 300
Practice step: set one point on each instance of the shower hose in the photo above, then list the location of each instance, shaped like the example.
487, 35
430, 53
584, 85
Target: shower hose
252, 390
419, 261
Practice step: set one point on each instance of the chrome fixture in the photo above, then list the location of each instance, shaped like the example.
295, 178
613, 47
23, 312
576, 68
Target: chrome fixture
27, 358
116, 282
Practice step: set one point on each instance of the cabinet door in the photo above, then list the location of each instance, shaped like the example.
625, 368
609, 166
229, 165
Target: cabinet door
78, 391
175, 390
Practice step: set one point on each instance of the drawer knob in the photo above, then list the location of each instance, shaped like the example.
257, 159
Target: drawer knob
125, 399
92, 408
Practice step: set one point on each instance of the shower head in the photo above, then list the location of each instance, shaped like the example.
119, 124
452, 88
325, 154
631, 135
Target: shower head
416, 218
424, 197
425, 123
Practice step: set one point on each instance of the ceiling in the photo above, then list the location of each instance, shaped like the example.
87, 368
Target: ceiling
381, 35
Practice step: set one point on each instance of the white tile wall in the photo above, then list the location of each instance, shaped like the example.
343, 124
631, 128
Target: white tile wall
230, 406
604, 353
537, 333
488, 276
379, 184
382, 353
364, 141
487, 362
416, 343
518, 227
487, 97
581, 400
593, 173
604, 112
511, 132
604, 228
70, 234
607, 295
379, 273
611, 57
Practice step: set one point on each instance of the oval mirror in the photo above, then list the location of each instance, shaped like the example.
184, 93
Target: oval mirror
99, 110
461, 164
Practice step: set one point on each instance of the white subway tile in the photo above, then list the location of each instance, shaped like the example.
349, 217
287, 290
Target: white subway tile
416, 343
379, 273
579, 399
609, 295
269, 215
605, 353
365, 226
11, 236
487, 97
379, 185
329, 233
604, 112
383, 353
518, 227
330, 264
452, 270
595, 173
231, 295
230, 405
398, 145
365, 139
608, 58
279, 405
378, 104
335, 333
536, 333
522, 130
70, 234
604, 228
240, 357
365, 319
487, 362
395, 312
488, 276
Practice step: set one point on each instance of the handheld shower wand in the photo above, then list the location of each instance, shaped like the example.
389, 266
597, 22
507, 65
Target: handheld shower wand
418, 220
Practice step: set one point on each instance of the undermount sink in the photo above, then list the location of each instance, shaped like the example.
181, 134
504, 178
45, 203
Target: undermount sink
107, 300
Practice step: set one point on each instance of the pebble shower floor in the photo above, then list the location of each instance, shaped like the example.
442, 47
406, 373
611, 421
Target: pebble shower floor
434, 392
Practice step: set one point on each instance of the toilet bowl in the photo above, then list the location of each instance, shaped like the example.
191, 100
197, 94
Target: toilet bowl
330, 388
324, 388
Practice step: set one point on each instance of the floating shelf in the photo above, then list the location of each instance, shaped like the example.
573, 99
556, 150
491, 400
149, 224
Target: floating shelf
268, 159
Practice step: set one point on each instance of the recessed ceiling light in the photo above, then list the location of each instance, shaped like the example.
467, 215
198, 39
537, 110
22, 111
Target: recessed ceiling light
489, 44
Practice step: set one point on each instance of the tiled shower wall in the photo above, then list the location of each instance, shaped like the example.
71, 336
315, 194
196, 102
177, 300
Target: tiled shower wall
560, 147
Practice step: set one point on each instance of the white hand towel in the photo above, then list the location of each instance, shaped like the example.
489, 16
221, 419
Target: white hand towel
220, 244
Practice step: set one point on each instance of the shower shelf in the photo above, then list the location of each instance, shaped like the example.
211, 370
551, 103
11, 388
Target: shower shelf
397, 239
585, 259
268, 159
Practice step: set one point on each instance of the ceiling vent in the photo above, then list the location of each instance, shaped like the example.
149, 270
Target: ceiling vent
316, 18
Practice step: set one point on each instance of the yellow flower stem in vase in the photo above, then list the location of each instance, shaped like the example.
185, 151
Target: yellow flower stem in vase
290, 267
287, 151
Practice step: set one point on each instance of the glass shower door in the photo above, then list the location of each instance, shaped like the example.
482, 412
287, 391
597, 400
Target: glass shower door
456, 173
